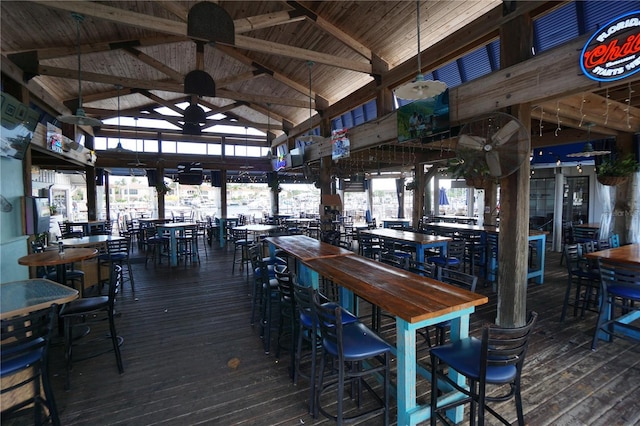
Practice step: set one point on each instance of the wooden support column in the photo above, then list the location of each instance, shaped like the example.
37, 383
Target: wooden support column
516, 38
90, 178
107, 198
490, 205
223, 193
622, 214
161, 194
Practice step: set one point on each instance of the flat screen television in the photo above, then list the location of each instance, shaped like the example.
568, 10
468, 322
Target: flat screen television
190, 178
18, 123
36, 215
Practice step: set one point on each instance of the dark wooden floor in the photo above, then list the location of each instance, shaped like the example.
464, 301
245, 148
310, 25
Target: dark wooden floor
184, 325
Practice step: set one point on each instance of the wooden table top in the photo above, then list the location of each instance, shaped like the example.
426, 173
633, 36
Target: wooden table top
256, 228
478, 228
306, 248
409, 236
409, 296
52, 257
22, 297
176, 225
593, 225
89, 240
623, 254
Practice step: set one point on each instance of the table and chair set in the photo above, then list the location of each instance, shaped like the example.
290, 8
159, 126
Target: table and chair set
415, 302
35, 312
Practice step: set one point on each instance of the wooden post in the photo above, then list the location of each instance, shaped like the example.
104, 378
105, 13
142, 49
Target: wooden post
516, 40
490, 205
419, 181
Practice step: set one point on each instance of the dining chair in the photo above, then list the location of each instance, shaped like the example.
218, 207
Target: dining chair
25, 351
187, 243
620, 290
582, 281
495, 359
92, 310
459, 279
455, 255
358, 352
117, 252
241, 243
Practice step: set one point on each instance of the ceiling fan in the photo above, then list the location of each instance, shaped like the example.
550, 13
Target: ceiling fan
495, 144
79, 118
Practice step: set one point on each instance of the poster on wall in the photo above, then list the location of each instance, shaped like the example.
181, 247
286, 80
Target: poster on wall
340, 144
424, 120
54, 138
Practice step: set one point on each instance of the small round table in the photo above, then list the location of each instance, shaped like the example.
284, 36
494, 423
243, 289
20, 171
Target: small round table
59, 260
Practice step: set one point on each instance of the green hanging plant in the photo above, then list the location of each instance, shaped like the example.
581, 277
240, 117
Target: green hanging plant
274, 182
615, 171
162, 188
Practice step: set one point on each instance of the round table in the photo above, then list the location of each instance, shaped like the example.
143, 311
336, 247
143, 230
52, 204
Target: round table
59, 260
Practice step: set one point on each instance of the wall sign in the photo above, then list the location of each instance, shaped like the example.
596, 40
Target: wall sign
613, 52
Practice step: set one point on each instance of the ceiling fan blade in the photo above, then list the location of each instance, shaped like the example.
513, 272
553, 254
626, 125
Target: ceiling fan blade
493, 162
471, 142
505, 133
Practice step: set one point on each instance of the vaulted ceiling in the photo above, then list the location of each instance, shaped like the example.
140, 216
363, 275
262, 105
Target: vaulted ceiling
141, 51
143, 46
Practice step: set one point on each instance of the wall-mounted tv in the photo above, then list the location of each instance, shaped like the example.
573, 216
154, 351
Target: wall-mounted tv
18, 123
36, 215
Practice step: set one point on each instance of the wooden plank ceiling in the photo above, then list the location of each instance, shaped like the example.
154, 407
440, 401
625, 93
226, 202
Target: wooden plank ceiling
262, 81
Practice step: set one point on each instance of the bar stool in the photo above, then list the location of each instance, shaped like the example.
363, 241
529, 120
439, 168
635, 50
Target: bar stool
359, 347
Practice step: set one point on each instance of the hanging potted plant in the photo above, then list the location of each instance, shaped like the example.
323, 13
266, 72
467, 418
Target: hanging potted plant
274, 182
475, 173
162, 188
614, 171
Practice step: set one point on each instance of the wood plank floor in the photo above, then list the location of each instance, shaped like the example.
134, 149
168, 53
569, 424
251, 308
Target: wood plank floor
185, 324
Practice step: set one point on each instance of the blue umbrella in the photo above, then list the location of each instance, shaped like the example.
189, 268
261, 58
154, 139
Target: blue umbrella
444, 200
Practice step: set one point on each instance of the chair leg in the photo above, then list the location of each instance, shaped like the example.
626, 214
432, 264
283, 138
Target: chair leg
567, 294
115, 340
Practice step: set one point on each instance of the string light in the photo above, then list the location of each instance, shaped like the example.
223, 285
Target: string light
582, 115
557, 117
628, 108
606, 111
541, 117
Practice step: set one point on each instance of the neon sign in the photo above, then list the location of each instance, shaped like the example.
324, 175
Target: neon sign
613, 52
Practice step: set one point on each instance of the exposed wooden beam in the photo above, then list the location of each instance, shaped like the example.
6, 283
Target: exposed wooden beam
334, 31
540, 79
222, 82
154, 63
152, 23
264, 46
593, 109
268, 20
169, 104
223, 93
233, 53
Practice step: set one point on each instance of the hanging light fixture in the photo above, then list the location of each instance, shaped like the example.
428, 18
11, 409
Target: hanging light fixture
119, 147
420, 88
246, 166
310, 138
138, 163
587, 149
80, 117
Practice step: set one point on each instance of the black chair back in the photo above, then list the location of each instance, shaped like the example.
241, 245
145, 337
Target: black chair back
457, 278
25, 349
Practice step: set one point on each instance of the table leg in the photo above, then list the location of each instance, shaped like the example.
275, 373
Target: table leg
173, 248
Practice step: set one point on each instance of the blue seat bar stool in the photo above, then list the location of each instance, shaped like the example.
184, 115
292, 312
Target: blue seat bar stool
357, 347
620, 289
308, 332
496, 359
25, 350
454, 257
